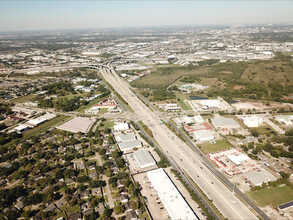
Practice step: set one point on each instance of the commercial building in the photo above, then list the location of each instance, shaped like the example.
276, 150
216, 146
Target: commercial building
237, 159
223, 123
203, 135
172, 107
258, 177
252, 121
125, 137
129, 145
171, 198
144, 159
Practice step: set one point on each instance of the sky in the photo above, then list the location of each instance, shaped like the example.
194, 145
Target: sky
77, 14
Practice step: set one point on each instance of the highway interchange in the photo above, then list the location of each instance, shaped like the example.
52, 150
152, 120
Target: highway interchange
225, 200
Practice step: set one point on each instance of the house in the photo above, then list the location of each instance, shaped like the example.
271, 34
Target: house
131, 215
75, 216
61, 202
123, 198
50, 208
85, 194
97, 192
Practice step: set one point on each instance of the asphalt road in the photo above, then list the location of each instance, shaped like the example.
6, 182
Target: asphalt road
188, 161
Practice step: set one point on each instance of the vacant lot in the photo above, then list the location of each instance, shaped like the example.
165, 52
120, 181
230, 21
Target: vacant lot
23, 99
272, 196
262, 72
208, 148
181, 98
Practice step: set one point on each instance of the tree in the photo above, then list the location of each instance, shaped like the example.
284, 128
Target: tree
107, 212
118, 208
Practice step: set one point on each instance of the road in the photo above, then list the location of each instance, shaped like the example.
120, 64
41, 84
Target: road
189, 162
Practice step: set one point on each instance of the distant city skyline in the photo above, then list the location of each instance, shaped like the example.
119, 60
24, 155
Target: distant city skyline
54, 15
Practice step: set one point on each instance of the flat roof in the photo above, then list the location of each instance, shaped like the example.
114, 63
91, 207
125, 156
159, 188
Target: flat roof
171, 198
238, 159
127, 145
257, 177
144, 158
223, 121
286, 205
125, 137
203, 133
77, 124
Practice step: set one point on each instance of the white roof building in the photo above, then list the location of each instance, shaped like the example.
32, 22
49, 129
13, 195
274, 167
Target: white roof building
21, 128
172, 107
239, 159
129, 145
257, 177
223, 123
125, 137
252, 121
121, 127
210, 103
285, 119
171, 198
203, 135
144, 159
198, 119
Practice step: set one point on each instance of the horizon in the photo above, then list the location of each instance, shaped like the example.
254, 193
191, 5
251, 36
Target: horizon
85, 15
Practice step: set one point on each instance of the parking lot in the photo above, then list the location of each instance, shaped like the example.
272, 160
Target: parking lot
228, 167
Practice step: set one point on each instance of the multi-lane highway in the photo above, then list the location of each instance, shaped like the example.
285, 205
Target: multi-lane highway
191, 163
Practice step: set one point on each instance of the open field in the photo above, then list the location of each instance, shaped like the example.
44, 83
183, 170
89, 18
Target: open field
23, 99
266, 129
181, 98
272, 196
263, 72
208, 148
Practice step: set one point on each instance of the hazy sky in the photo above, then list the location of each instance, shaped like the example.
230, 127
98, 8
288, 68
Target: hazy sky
49, 14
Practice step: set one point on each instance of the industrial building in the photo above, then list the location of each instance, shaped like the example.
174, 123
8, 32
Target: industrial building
203, 135
36, 121
252, 121
129, 145
257, 177
172, 107
171, 198
223, 123
144, 159
125, 137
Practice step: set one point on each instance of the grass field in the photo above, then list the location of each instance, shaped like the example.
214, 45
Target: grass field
263, 129
208, 148
54, 122
181, 98
23, 99
90, 104
272, 196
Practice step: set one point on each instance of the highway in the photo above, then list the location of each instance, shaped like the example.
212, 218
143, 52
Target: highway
188, 161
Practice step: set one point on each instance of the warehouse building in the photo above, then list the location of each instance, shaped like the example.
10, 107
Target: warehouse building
125, 137
203, 135
258, 177
144, 159
121, 127
252, 121
171, 198
129, 145
223, 123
